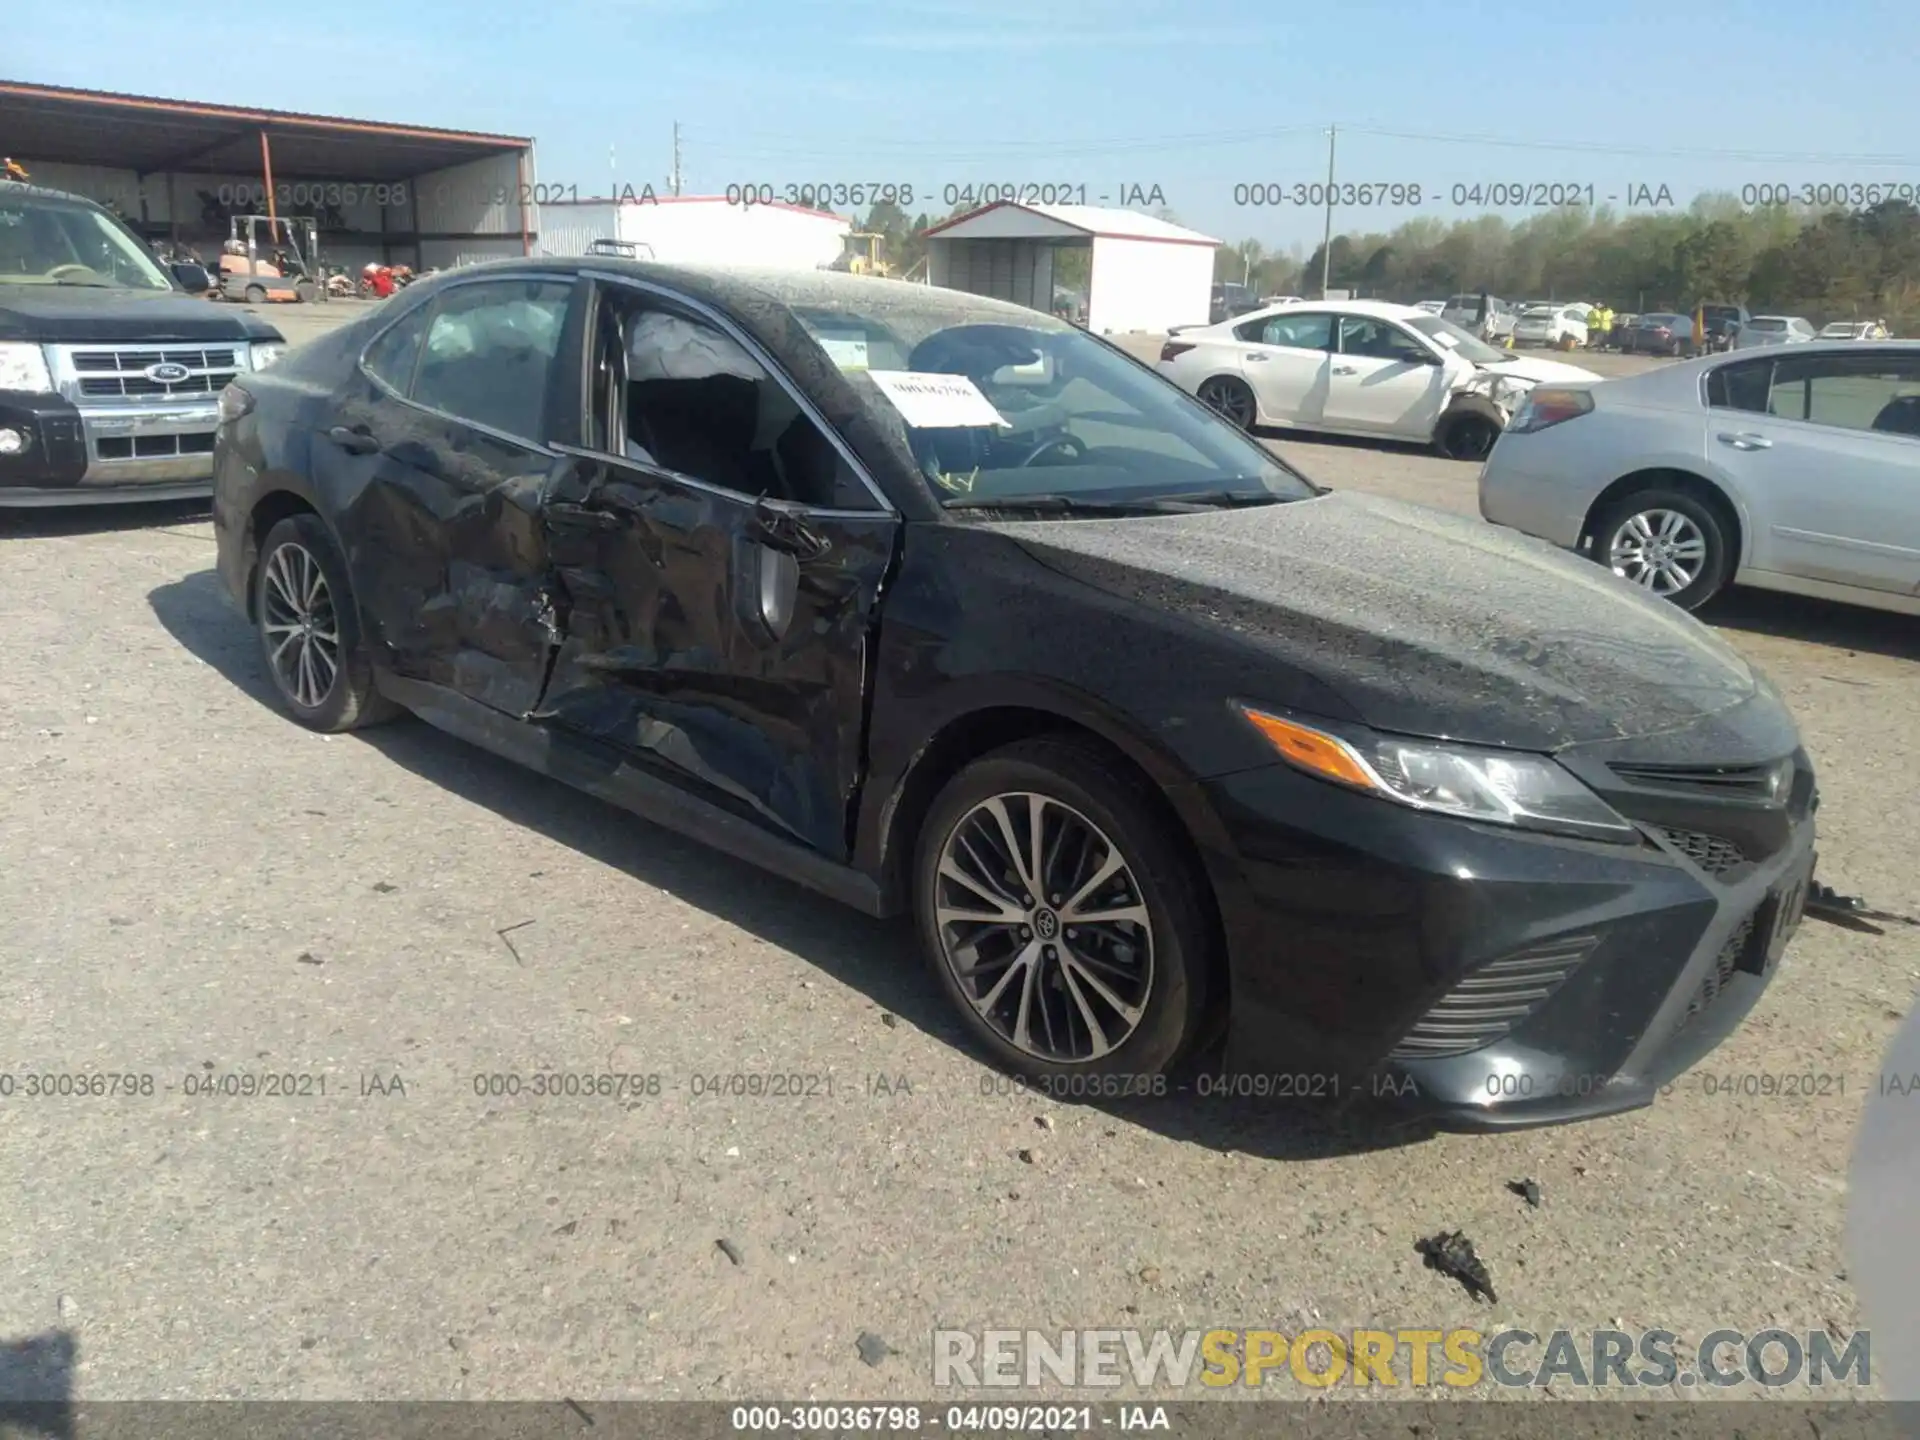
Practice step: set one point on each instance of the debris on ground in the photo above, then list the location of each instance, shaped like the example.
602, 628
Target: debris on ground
1528, 1190
382, 887
1045, 1122
307, 957
730, 1250
1850, 912
1150, 1275
872, 1348
1027, 1157
889, 1019
1451, 1253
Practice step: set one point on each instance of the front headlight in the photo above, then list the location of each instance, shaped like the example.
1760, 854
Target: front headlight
265, 352
24, 368
1505, 787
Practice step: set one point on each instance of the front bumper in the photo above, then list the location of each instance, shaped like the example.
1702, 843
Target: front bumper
1370, 945
161, 451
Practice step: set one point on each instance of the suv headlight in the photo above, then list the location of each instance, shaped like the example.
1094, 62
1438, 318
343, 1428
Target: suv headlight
24, 368
265, 352
1504, 787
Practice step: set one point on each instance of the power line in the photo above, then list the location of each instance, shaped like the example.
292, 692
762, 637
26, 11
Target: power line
986, 152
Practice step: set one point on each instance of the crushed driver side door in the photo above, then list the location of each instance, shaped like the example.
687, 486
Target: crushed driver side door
721, 563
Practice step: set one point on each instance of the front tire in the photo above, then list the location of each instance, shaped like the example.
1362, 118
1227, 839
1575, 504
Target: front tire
309, 630
1668, 543
1467, 437
1060, 918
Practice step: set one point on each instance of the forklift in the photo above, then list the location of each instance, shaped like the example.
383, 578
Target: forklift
248, 269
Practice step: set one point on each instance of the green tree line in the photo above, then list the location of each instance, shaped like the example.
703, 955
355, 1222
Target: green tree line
1824, 264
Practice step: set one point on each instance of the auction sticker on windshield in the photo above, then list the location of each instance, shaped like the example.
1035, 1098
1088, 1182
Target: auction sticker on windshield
849, 352
936, 402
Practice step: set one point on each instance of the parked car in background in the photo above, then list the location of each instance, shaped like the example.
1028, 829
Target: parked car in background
1559, 326
1359, 367
1774, 330
1719, 325
1494, 323
1432, 307
1152, 738
1266, 300
111, 365
1662, 333
1854, 330
1231, 300
1793, 471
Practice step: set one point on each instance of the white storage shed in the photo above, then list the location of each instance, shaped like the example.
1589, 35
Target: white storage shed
699, 229
1146, 273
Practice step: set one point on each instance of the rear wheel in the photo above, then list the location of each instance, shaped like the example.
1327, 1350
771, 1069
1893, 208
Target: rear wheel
310, 630
1058, 915
256, 295
1230, 397
1666, 542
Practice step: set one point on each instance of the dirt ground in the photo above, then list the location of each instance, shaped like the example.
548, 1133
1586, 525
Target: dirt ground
196, 888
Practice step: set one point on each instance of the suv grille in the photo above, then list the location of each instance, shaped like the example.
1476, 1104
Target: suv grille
1713, 854
1724, 966
1491, 1001
119, 374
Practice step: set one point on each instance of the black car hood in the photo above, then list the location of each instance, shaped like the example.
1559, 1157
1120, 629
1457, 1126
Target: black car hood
1425, 623
57, 314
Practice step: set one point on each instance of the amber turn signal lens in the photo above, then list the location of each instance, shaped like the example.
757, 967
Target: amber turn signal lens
1312, 749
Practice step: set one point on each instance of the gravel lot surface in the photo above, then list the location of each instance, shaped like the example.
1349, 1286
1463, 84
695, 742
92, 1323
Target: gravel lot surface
195, 888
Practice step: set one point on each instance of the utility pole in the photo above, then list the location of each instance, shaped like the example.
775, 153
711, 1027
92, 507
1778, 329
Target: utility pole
673, 182
1326, 240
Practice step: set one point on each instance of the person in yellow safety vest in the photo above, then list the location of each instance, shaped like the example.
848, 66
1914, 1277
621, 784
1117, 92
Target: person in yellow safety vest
1599, 326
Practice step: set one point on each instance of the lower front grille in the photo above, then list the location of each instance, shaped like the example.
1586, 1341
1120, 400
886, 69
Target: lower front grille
1712, 853
1725, 964
1491, 1001
152, 447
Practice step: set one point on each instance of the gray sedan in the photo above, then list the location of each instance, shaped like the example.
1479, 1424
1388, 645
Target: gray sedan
1774, 330
1795, 471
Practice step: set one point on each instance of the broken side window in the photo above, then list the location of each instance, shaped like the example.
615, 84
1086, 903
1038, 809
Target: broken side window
700, 405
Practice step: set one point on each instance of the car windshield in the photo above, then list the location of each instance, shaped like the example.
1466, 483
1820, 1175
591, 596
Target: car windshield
1766, 322
1839, 328
1463, 343
1653, 320
999, 406
46, 241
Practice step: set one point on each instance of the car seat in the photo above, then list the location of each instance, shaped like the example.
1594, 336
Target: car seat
1899, 416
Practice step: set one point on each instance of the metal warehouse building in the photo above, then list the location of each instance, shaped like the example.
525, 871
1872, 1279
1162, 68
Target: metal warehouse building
699, 229
178, 170
1146, 273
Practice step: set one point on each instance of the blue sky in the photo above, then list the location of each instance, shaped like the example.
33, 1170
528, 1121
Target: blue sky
1195, 98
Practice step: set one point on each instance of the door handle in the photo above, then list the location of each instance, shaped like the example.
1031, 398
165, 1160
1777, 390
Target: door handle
1256, 356
354, 442
1744, 441
1346, 369
563, 516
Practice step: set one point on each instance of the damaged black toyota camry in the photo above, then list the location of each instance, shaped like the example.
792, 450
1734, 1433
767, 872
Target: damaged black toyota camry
938, 605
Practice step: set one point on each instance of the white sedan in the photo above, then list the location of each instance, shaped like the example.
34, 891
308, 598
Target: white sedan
1359, 367
1560, 326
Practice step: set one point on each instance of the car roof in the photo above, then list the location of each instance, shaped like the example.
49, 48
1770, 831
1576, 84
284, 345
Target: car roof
1377, 309
1682, 378
743, 290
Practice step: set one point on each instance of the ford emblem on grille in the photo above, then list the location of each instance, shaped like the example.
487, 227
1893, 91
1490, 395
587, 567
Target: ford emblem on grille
167, 372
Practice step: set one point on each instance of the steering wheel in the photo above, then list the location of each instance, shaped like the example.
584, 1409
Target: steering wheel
1072, 443
59, 270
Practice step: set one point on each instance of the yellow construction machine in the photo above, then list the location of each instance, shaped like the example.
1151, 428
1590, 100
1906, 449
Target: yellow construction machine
867, 254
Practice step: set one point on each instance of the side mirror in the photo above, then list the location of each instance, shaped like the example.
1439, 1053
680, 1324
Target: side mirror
191, 278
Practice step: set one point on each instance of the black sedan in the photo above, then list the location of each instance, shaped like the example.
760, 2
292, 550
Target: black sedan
940, 605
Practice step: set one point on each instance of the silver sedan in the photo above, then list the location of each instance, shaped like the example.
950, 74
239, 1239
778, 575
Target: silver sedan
1794, 470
